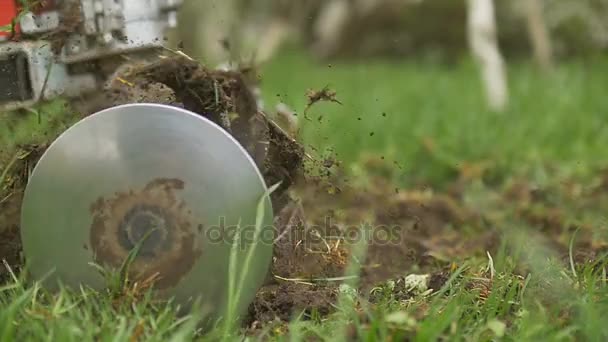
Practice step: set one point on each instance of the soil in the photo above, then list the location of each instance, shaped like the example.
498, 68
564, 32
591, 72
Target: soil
413, 232
317, 233
225, 97
11, 195
281, 301
318, 214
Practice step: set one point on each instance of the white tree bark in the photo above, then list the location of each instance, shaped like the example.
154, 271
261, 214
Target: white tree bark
206, 24
251, 31
277, 32
539, 35
484, 46
329, 27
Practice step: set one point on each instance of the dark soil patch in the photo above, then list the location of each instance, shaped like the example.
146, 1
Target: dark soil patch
420, 232
316, 235
10, 245
408, 229
283, 301
11, 195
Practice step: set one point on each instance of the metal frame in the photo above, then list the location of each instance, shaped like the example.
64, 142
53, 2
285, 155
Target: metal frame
109, 28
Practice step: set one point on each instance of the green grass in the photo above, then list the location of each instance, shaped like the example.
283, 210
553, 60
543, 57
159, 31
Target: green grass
34, 126
556, 126
548, 306
560, 118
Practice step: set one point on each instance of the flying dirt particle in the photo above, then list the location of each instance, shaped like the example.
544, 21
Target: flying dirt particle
329, 162
225, 43
324, 94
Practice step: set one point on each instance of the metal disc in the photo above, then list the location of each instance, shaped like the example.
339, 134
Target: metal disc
152, 175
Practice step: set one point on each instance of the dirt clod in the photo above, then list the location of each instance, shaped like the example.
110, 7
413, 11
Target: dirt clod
285, 299
226, 98
324, 94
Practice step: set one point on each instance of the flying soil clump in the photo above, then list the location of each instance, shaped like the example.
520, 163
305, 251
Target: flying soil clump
224, 97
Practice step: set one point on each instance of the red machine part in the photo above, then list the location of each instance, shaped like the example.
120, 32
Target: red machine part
8, 10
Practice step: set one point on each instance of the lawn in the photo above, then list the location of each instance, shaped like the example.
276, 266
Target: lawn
393, 108
531, 178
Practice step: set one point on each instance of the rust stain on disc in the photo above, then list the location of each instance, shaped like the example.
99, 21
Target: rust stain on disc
172, 245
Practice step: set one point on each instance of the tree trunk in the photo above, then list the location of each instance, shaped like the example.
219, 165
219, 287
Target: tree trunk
484, 46
539, 36
329, 27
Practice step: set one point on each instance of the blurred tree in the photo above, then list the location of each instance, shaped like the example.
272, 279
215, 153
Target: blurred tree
243, 30
539, 35
216, 30
484, 45
205, 27
579, 27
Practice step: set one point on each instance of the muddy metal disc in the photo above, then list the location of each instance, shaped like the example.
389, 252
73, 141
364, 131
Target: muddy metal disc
160, 177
